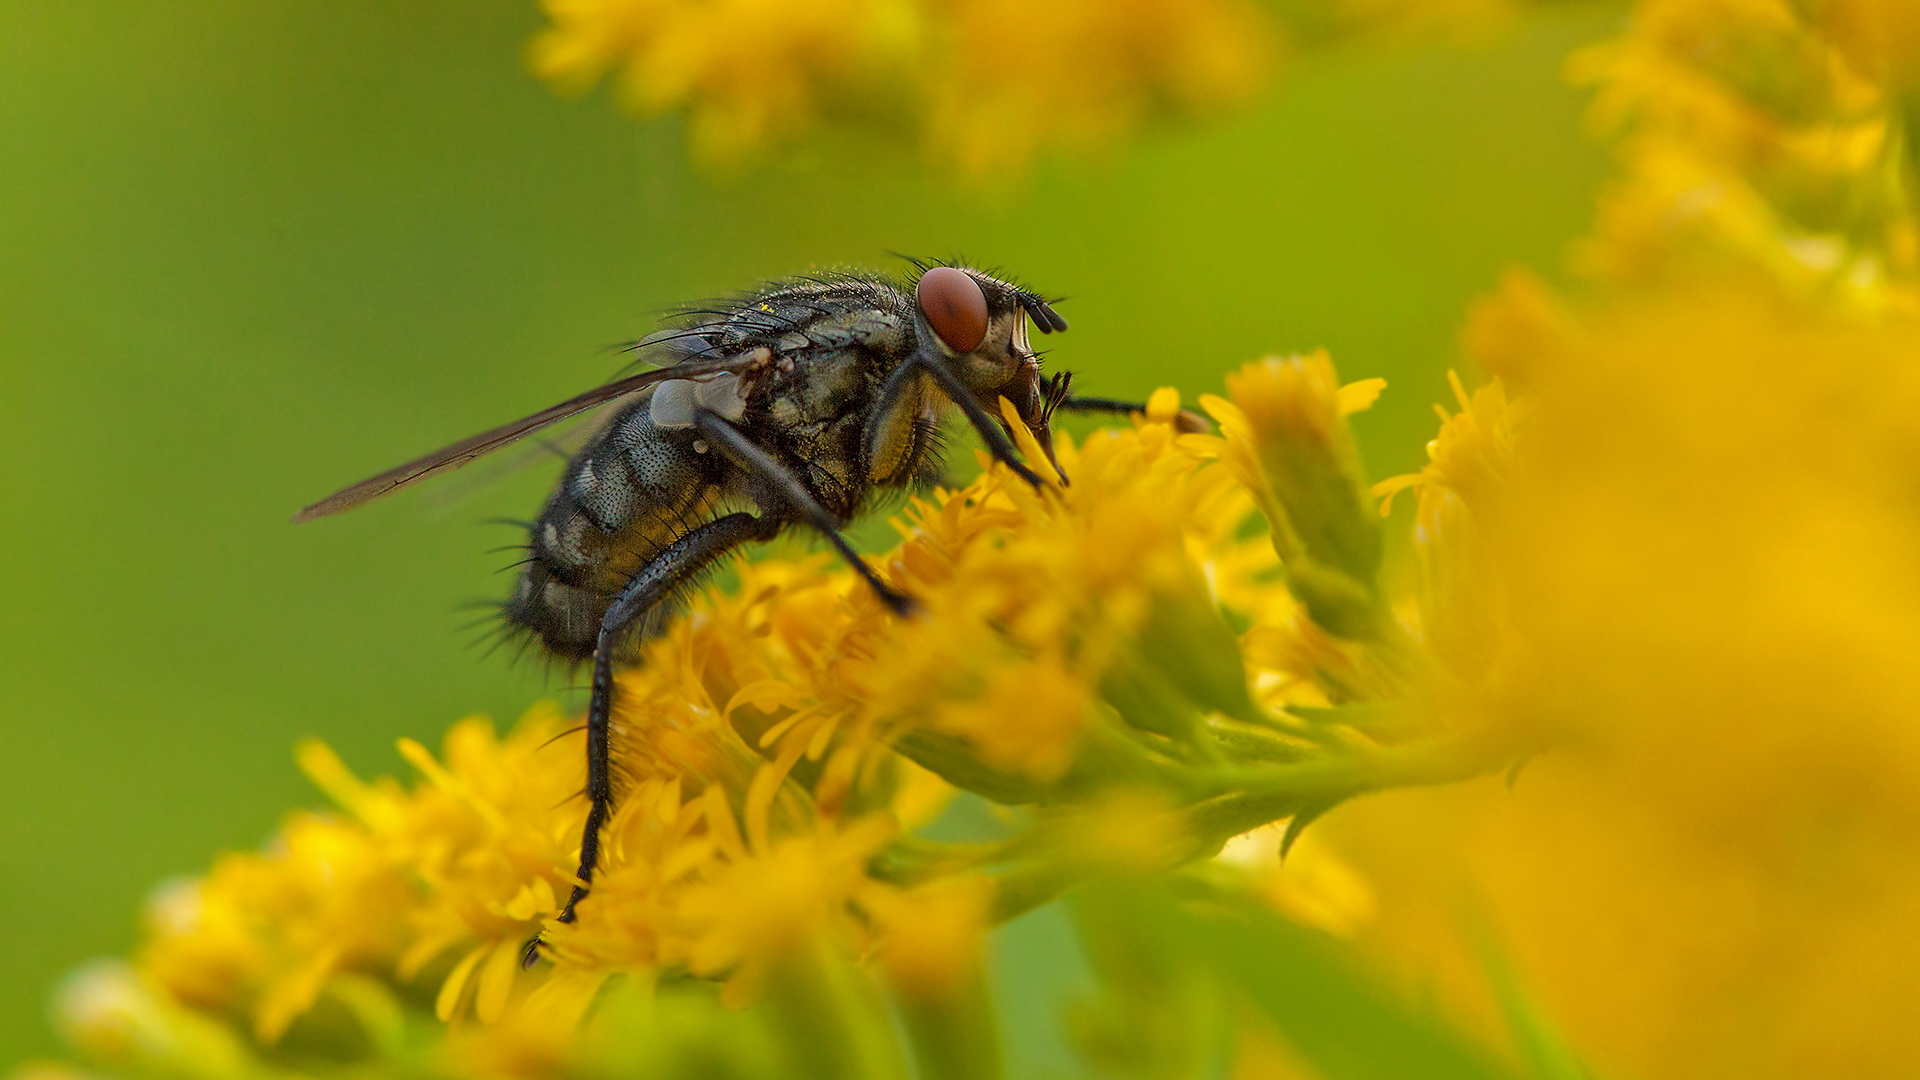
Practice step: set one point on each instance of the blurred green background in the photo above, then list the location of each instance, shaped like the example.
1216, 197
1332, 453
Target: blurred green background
251, 250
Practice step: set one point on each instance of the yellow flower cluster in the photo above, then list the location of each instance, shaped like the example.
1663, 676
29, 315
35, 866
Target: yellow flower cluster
1689, 570
747, 71
1671, 541
1127, 664
1761, 133
992, 82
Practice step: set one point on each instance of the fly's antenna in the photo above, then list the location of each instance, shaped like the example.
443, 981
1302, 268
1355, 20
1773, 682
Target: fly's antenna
1040, 309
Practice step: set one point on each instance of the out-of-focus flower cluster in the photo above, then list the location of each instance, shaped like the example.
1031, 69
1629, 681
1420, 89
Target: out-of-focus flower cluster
1694, 564
989, 82
986, 86
1694, 573
1761, 137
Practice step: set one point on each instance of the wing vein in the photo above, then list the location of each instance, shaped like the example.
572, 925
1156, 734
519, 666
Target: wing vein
448, 458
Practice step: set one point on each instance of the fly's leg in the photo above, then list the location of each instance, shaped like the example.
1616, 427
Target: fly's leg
1102, 405
761, 465
894, 390
1187, 421
658, 580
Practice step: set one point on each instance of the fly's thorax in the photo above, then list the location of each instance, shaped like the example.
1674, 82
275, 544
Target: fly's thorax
822, 387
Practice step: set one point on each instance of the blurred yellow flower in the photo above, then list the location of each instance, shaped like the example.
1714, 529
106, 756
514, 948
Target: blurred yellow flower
986, 86
1749, 137
1011, 79
262, 935
748, 72
1702, 548
1880, 37
997, 81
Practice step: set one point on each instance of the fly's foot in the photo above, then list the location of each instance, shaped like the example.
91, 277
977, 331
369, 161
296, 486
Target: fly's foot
530, 955
902, 605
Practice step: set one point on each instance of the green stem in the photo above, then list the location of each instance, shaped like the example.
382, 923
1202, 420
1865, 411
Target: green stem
1244, 798
830, 1020
953, 1032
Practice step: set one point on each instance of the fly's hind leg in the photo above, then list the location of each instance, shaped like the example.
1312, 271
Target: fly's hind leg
671, 570
761, 465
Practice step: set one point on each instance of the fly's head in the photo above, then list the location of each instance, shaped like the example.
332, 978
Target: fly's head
977, 325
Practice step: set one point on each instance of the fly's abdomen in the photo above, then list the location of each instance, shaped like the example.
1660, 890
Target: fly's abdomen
634, 490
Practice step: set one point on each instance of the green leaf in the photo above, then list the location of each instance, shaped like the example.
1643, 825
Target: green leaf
1304, 817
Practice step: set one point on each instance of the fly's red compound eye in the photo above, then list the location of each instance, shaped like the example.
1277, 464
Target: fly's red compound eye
954, 306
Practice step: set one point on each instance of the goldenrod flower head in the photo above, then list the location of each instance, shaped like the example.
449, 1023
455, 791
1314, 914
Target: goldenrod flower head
1287, 441
934, 935
996, 81
1520, 329
1080, 73
1750, 140
1463, 492
762, 907
1732, 456
262, 935
987, 84
1880, 37
749, 72
1698, 580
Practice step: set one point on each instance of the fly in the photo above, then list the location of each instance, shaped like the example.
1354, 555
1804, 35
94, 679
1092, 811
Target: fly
794, 404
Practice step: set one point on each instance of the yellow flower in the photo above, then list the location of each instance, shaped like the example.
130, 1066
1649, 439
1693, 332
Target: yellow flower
934, 935
1287, 441
484, 840
1750, 141
262, 935
756, 73
764, 906
1520, 329
1701, 547
989, 85
1880, 37
1462, 596
1080, 73
749, 72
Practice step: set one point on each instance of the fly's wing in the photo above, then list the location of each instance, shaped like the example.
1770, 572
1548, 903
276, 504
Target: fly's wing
448, 458
560, 442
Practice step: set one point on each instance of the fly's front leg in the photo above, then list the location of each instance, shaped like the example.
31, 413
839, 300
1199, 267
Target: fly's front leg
671, 570
761, 465
1188, 421
894, 391
1076, 403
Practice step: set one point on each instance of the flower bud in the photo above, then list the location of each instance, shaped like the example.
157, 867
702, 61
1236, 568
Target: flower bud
1289, 441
